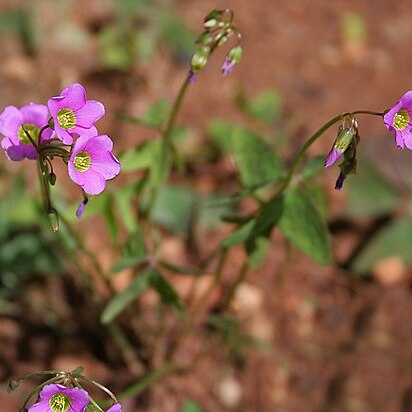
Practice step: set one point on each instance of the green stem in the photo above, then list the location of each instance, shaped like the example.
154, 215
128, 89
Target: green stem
151, 378
175, 110
98, 385
38, 389
170, 125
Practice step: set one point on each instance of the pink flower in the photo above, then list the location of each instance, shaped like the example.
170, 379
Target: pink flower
12, 121
73, 114
399, 120
92, 163
56, 398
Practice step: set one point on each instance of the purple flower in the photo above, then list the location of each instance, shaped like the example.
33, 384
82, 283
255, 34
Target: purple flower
399, 120
73, 114
92, 163
59, 398
339, 182
12, 121
228, 66
117, 407
80, 209
333, 156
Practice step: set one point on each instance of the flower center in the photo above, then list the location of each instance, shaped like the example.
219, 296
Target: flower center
59, 402
66, 118
31, 129
401, 119
82, 161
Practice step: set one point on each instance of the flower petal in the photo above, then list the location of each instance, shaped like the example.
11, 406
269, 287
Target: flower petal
94, 182
80, 146
406, 100
99, 144
37, 114
74, 97
75, 175
10, 120
332, 157
106, 164
89, 114
117, 407
29, 152
81, 131
13, 151
63, 134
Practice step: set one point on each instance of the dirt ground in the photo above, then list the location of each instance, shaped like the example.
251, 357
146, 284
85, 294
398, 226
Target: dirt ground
328, 341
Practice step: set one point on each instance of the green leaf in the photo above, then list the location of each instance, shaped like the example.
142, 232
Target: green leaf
392, 240
110, 219
257, 161
157, 114
257, 254
191, 406
124, 199
140, 157
120, 301
303, 226
174, 208
266, 106
166, 292
368, 192
239, 236
211, 210
134, 252
261, 224
222, 132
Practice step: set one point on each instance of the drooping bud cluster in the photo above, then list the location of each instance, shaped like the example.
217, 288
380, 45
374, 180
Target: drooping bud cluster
64, 128
64, 393
219, 28
345, 145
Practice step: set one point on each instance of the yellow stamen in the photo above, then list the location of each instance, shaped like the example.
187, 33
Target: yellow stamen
82, 161
401, 119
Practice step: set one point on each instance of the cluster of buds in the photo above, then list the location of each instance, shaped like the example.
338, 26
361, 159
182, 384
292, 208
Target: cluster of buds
64, 392
219, 28
64, 128
345, 145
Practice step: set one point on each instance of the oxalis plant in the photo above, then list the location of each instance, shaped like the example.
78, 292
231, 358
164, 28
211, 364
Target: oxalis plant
65, 128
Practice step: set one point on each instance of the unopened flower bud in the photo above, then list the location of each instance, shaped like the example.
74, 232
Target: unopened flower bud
347, 131
54, 219
199, 59
13, 385
222, 40
52, 178
235, 54
205, 38
212, 19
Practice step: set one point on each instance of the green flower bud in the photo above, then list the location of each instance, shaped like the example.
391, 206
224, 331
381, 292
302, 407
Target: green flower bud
205, 38
235, 54
52, 178
199, 59
13, 385
54, 219
212, 19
